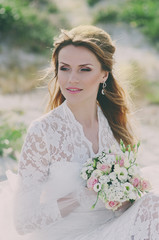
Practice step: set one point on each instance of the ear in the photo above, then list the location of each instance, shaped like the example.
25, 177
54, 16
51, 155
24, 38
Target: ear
105, 76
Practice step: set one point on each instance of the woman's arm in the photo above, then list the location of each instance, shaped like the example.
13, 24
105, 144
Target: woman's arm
30, 211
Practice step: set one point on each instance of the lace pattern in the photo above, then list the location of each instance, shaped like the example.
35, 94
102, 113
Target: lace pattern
29, 213
52, 142
54, 137
146, 223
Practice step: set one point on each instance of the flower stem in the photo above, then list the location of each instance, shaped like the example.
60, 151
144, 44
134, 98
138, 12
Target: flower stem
93, 206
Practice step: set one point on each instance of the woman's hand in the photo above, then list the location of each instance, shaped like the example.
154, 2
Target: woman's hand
125, 205
67, 205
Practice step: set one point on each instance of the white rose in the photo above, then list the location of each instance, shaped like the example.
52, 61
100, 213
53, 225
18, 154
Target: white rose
104, 179
89, 168
112, 176
84, 175
112, 196
119, 195
134, 170
111, 159
123, 174
97, 187
128, 187
116, 183
97, 173
132, 196
117, 168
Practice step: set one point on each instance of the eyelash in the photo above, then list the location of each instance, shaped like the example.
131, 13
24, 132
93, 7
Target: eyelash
63, 68
86, 69
83, 69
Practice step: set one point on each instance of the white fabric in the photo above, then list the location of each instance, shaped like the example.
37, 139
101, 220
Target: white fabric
48, 200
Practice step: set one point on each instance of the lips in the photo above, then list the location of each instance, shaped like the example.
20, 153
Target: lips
74, 89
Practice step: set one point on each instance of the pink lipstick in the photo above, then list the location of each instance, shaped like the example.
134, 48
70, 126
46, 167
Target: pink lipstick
74, 90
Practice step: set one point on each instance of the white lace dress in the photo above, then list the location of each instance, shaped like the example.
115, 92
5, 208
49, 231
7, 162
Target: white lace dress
48, 200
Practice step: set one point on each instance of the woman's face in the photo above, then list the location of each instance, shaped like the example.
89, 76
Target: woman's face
79, 74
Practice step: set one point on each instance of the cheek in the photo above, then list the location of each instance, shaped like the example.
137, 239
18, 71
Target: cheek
94, 79
61, 78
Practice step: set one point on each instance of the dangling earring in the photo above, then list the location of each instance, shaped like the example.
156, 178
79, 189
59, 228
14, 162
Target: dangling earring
104, 86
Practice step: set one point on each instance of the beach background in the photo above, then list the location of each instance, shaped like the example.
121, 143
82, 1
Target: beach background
27, 29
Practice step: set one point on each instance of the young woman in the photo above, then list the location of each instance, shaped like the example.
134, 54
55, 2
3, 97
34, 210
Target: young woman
87, 113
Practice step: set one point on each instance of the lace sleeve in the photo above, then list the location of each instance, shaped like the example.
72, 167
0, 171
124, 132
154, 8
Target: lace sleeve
30, 212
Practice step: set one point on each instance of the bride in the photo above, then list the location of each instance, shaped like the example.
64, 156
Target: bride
87, 113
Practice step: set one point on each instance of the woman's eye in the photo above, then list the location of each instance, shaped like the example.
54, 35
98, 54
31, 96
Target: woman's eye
64, 68
86, 69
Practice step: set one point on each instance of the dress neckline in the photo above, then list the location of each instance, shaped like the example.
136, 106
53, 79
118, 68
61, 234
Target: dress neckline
77, 123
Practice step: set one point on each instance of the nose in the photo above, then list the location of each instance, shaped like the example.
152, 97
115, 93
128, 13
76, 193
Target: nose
73, 77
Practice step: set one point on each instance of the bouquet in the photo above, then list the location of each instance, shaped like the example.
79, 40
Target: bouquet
115, 177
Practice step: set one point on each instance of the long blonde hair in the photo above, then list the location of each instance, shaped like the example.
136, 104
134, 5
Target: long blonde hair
114, 102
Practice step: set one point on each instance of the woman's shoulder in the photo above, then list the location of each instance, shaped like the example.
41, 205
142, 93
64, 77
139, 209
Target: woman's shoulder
53, 116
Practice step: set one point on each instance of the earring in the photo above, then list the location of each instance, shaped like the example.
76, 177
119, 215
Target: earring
104, 86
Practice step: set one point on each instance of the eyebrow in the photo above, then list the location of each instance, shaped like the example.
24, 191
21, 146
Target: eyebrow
79, 65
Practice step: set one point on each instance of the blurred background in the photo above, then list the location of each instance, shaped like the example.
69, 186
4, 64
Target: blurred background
27, 29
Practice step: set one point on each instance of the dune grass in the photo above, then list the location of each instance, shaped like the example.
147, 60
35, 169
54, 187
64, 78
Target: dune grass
140, 88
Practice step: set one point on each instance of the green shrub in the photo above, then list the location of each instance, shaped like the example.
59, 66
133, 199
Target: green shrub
141, 13
8, 17
28, 23
152, 29
107, 15
52, 8
145, 15
92, 2
11, 139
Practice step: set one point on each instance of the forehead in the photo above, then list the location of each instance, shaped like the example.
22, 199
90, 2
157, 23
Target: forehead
77, 54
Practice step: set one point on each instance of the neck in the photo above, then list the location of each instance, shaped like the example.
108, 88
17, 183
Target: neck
86, 115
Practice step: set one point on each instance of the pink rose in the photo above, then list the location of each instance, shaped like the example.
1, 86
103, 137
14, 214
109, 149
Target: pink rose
112, 205
121, 162
135, 181
145, 185
91, 182
104, 167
